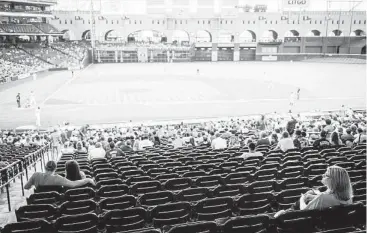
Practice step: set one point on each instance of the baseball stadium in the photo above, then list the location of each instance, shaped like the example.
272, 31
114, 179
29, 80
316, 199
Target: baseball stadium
183, 116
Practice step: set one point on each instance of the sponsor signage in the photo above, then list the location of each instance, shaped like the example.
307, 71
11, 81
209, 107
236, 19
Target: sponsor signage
269, 58
296, 3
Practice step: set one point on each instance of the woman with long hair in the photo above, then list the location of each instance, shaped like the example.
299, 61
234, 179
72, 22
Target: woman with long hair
338, 192
335, 140
72, 171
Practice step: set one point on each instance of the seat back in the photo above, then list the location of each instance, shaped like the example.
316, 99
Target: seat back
265, 175
156, 198
117, 203
288, 197
157, 171
78, 207
197, 227
109, 182
178, 184
247, 224
257, 203
298, 221
214, 208
170, 214
238, 178
127, 174
194, 174
112, 191
77, 223
136, 179
44, 198
229, 190
125, 220
315, 170
292, 183
32, 212
261, 186
291, 172
106, 176
168, 176
145, 187
35, 226
78, 194
49, 188
209, 181
353, 215
193, 194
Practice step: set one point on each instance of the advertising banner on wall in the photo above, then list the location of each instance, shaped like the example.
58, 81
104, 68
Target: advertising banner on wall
296, 3
269, 58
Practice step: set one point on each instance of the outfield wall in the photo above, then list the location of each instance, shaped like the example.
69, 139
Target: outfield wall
305, 56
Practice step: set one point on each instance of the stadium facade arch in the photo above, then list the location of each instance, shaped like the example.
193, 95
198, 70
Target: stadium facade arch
68, 34
358, 33
247, 36
86, 35
241, 37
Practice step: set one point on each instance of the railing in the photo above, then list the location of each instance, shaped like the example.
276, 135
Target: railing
19, 167
360, 56
37, 1
24, 11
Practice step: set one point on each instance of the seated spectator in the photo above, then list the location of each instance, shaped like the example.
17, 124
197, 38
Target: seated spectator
252, 152
191, 142
234, 142
199, 139
296, 140
291, 125
274, 139
126, 147
97, 152
145, 143
156, 140
335, 140
68, 148
206, 141
79, 148
73, 172
114, 151
90, 145
360, 137
353, 129
49, 178
340, 132
177, 142
219, 142
285, 143
339, 192
303, 140
328, 128
322, 142
264, 139
136, 144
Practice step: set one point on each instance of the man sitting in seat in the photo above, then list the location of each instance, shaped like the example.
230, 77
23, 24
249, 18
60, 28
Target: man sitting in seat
322, 142
114, 151
219, 142
97, 152
49, 178
285, 143
252, 152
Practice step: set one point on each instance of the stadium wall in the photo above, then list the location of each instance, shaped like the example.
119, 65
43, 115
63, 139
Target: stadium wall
257, 23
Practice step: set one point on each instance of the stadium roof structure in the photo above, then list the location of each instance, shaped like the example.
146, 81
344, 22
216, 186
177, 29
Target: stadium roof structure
34, 2
192, 6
